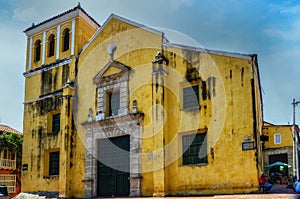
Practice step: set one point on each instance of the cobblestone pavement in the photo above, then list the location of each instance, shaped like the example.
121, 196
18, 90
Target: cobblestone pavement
277, 192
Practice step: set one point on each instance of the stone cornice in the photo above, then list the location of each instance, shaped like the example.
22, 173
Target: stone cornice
114, 120
77, 11
47, 67
116, 64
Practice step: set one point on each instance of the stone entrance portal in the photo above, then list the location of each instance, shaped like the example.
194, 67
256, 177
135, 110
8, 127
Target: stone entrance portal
115, 131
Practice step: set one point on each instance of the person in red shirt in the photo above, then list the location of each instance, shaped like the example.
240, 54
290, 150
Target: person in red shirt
264, 183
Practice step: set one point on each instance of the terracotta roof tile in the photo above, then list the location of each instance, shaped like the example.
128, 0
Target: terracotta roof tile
57, 16
7, 129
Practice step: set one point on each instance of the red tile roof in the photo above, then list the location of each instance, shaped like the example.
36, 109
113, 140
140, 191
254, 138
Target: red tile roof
7, 129
64, 13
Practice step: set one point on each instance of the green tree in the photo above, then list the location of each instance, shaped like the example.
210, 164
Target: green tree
12, 142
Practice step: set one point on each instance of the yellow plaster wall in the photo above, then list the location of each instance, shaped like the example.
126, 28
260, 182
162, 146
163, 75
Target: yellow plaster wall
228, 119
35, 178
38, 141
134, 51
286, 132
227, 116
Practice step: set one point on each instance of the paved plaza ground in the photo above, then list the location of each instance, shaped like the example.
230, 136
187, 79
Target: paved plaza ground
277, 192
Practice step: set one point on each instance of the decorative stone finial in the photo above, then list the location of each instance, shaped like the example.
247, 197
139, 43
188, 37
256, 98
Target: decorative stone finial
111, 50
90, 116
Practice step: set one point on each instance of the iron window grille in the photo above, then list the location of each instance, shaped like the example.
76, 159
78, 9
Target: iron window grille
56, 123
54, 163
194, 149
191, 97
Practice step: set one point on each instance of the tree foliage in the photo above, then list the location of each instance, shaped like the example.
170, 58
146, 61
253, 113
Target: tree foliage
12, 142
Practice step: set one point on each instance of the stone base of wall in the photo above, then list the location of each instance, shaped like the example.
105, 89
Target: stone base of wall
135, 186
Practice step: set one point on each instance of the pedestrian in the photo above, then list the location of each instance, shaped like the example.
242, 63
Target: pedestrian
264, 183
297, 186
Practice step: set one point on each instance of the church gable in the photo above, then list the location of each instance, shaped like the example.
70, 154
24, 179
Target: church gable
113, 26
111, 70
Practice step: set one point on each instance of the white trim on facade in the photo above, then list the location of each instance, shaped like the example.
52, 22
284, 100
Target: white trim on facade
57, 42
73, 38
216, 52
30, 54
44, 48
41, 98
28, 74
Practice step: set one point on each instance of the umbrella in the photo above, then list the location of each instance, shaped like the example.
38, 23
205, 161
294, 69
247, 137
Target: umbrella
277, 164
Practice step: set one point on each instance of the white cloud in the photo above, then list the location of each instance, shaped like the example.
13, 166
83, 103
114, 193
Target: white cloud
176, 4
290, 34
25, 15
290, 10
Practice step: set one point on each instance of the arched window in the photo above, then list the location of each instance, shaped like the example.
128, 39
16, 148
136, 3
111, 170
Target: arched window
37, 46
51, 41
66, 39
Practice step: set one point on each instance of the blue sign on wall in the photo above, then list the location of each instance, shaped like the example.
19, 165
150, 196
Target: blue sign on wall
248, 145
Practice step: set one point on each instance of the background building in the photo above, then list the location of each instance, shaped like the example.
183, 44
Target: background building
278, 146
10, 159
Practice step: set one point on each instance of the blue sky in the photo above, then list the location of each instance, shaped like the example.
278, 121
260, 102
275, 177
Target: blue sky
269, 28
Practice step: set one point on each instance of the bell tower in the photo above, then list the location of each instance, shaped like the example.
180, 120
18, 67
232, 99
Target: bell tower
49, 133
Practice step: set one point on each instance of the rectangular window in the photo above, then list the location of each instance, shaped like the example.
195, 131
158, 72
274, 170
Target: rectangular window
9, 180
54, 163
113, 103
277, 138
56, 123
194, 149
191, 97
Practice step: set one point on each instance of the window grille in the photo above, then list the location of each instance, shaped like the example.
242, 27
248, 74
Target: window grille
54, 163
191, 97
194, 149
56, 123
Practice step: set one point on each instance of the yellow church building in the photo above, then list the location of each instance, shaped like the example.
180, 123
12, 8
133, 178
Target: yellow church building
118, 110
